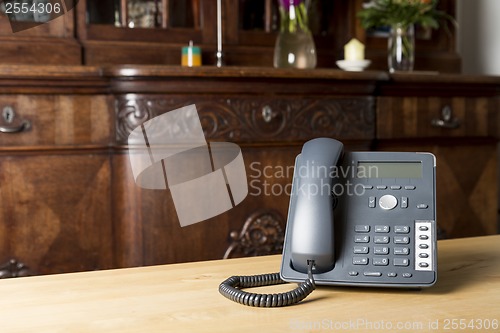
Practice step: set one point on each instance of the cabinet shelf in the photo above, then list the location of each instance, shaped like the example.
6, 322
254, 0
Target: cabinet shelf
99, 33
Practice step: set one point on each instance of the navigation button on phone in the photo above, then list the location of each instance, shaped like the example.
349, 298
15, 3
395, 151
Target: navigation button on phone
388, 202
372, 202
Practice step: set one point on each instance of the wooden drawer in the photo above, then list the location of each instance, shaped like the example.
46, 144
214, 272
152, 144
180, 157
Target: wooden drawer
258, 119
43, 120
425, 117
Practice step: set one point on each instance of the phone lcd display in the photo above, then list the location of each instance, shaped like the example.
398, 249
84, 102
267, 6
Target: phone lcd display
389, 170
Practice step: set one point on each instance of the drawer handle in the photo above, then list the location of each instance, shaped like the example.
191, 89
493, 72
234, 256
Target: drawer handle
8, 115
267, 114
447, 120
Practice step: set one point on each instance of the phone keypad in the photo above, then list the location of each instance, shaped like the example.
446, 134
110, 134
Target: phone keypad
381, 248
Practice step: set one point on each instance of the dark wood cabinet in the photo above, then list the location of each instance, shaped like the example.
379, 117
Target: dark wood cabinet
70, 202
114, 32
249, 34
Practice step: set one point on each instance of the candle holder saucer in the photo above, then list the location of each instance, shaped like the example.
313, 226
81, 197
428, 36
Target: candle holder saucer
353, 65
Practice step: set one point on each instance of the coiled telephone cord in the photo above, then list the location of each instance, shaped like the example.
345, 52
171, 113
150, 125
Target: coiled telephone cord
231, 289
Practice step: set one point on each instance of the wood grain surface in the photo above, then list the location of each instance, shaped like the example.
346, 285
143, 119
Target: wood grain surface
185, 298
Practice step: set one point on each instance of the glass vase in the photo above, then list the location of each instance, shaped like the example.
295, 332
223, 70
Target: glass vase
294, 46
401, 48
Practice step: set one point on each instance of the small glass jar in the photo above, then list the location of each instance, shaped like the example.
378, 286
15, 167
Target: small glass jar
401, 48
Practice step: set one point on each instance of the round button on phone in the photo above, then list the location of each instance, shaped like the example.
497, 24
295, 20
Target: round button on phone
388, 202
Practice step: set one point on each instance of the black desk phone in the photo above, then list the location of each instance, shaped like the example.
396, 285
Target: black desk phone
355, 219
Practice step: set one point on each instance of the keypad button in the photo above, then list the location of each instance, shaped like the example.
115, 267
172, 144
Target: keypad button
402, 229
423, 237
422, 206
381, 250
353, 273
361, 249
382, 228
367, 187
362, 228
409, 187
423, 255
372, 201
381, 187
361, 239
392, 274
380, 261
401, 251
381, 239
395, 187
401, 262
423, 265
423, 246
423, 228
360, 261
401, 240
372, 274
407, 275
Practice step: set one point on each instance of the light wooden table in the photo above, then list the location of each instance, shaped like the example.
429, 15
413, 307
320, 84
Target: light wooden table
185, 298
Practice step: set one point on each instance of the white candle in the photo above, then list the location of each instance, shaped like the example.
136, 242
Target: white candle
219, 56
219, 25
354, 50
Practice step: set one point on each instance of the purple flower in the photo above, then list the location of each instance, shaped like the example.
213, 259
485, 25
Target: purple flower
286, 3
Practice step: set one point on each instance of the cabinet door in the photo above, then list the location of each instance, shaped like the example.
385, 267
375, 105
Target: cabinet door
144, 32
55, 212
24, 42
251, 35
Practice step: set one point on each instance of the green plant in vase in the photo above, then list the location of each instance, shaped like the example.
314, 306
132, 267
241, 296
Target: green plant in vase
401, 16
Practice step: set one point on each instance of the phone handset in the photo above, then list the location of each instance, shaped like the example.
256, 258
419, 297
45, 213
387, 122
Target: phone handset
311, 213
311, 208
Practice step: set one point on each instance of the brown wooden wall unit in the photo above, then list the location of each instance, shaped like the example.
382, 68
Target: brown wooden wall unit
69, 201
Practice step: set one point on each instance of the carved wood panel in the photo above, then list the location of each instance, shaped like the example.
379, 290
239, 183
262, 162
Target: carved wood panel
252, 119
262, 233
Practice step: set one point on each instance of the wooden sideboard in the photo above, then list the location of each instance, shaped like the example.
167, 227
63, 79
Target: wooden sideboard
70, 203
